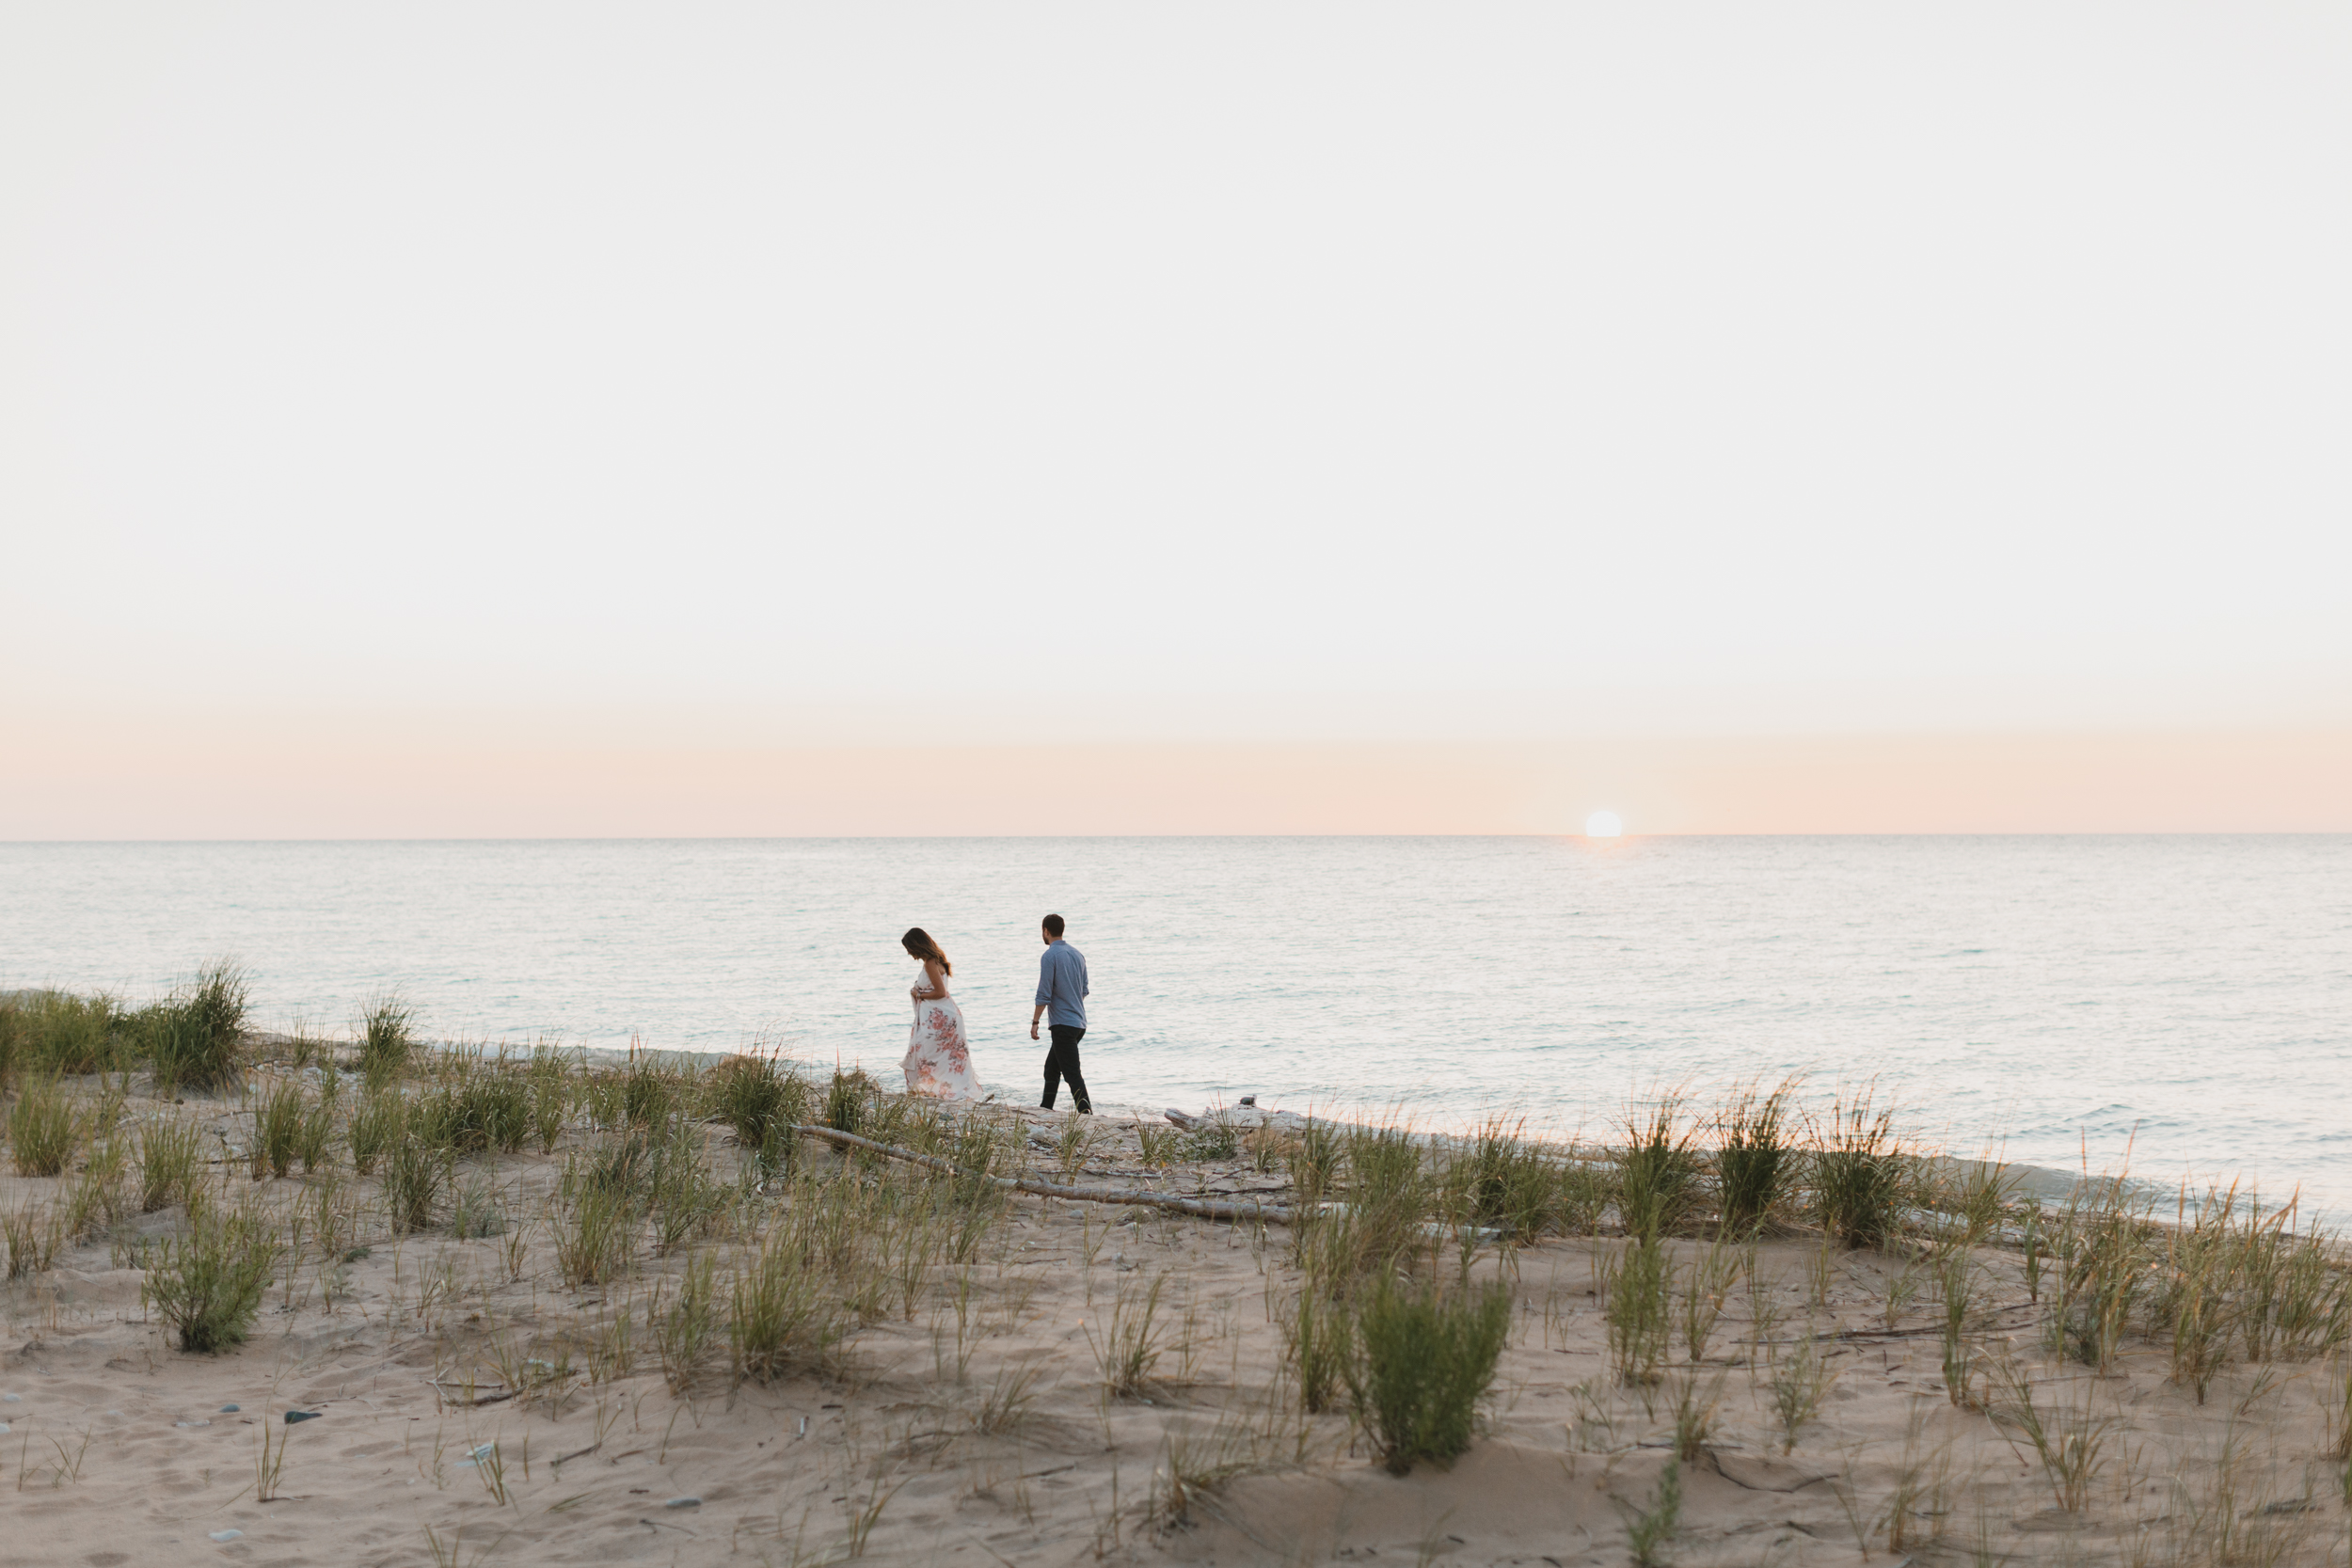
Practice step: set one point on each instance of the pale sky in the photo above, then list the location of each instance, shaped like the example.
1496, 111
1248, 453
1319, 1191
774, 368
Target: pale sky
407, 411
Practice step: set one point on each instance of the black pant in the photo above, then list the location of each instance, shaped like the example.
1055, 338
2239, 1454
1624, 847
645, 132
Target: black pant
1061, 1061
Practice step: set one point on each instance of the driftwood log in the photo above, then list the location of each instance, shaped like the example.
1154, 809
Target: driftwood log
1202, 1208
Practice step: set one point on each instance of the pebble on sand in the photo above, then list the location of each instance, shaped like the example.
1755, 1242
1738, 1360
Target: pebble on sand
294, 1416
229, 1409
225, 1536
683, 1503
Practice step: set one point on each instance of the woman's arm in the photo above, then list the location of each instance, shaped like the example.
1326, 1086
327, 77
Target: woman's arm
935, 983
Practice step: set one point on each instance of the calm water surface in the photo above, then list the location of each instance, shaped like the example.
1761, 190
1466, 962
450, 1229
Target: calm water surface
2194, 994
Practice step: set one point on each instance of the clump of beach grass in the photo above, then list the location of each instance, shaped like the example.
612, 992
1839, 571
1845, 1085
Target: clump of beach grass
1800, 1386
1635, 1284
193, 1038
279, 1116
593, 1240
171, 1163
760, 1103
779, 1321
387, 1035
1424, 1360
33, 1231
1129, 1351
1753, 1155
1864, 1172
1381, 1226
552, 1095
1498, 1180
1312, 1157
378, 1122
1658, 1170
415, 1174
54, 1033
45, 1129
1320, 1337
1212, 1138
207, 1283
844, 1104
475, 1105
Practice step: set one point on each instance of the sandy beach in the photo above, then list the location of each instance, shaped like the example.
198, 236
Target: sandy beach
777, 1350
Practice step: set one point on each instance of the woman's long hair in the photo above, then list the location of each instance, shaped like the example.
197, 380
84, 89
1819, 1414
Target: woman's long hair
918, 942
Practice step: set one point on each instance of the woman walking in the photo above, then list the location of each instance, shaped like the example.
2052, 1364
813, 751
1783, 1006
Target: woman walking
939, 1058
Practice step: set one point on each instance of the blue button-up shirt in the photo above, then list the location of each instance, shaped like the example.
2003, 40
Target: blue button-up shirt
1061, 985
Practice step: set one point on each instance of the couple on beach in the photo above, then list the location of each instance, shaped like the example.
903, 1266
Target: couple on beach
939, 1053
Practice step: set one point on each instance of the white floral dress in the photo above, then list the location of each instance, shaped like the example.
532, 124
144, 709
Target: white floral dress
939, 1058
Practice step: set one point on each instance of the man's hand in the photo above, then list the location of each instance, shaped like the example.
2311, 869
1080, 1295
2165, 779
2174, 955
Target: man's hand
1034, 1017
1032, 1029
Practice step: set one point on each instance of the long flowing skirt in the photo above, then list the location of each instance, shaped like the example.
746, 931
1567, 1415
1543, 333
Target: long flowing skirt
939, 1058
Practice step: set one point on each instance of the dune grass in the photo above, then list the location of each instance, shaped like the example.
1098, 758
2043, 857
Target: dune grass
764, 1257
1425, 1358
1864, 1172
207, 1282
192, 1040
45, 1129
1753, 1155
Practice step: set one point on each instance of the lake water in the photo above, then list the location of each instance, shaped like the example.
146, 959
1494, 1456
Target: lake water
2187, 998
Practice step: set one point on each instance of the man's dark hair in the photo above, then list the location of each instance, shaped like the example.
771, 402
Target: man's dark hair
1053, 926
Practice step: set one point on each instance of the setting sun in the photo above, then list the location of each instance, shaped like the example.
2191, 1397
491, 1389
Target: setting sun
1603, 824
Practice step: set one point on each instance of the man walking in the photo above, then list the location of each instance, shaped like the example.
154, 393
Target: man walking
1061, 992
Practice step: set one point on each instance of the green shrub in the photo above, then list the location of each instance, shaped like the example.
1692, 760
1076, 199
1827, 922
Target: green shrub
1423, 1361
43, 1130
207, 1284
16, 1032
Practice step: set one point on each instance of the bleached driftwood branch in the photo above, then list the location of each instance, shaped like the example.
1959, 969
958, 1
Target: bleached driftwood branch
1202, 1208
